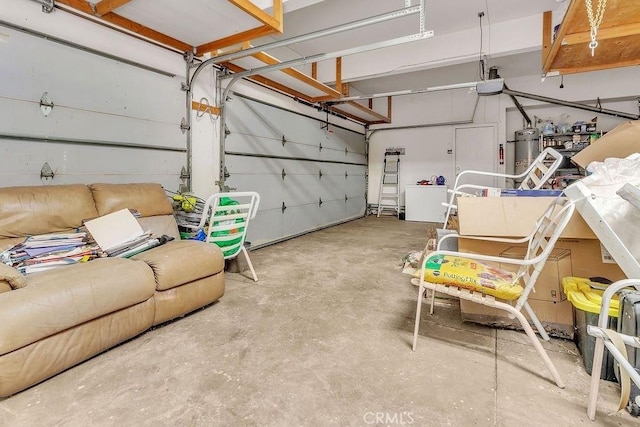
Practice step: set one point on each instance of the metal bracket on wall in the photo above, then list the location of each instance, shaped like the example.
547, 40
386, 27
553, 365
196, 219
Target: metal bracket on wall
46, 104
47, 5
184, 86
184, 126
46, 171
283, 174
284, 207
319, 201
184, 174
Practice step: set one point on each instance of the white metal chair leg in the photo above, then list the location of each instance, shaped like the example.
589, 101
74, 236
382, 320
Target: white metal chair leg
433, 300
417, 324
253, 272
536, 322
596, 370
534, 340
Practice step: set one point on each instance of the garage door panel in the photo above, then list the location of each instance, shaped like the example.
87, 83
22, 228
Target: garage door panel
267, 226
311, 175
269, 187
355, 207
298, 190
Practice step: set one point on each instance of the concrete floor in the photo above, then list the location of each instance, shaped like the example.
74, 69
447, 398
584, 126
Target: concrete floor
322, 339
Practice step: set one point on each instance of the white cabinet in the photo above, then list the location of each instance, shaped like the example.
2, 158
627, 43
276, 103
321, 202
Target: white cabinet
424, 202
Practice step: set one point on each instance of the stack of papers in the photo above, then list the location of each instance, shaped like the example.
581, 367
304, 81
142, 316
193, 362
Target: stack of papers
46, 251
119, 234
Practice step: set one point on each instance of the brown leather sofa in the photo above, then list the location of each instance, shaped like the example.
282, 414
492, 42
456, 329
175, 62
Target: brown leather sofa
55, 319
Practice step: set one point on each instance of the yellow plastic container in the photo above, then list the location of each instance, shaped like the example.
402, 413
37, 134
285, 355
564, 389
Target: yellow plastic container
587, 302
584, 297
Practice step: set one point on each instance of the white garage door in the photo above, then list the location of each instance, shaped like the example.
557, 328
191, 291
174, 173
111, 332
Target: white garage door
308, 177
111, 121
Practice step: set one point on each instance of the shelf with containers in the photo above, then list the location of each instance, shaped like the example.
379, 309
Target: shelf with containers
568, 144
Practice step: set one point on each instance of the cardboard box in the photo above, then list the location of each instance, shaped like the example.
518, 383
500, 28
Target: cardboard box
549, 284
556, 317
511, 217
620, 142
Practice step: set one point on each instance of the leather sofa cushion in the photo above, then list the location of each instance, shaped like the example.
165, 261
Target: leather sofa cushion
160, 224
58, 299
182, 261
148, 199
32, 210
13, 277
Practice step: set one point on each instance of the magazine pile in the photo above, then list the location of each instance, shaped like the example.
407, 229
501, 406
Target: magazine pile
114, 235
46, 251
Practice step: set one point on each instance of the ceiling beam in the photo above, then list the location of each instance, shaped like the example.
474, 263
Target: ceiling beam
268, 82
603, 34
129, 25
274, 22
299, 75
106, 6
234, 39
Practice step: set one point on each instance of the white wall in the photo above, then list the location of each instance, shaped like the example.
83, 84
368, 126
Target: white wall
618, 90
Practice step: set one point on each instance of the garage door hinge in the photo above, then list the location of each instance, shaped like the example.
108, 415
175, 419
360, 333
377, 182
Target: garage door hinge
319, 201
227, 131
183, 125
346, 151
284, 140
47, 5
320, 147
345, 198
320, 174
283, 174
284, 207
226, 172
346, 175
46, 104
184, 174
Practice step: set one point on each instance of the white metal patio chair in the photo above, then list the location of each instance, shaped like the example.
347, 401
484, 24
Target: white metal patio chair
228, 216
540, 241
616, 344
540, 171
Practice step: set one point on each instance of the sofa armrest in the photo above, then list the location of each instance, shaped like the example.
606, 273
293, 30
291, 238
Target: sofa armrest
13, 277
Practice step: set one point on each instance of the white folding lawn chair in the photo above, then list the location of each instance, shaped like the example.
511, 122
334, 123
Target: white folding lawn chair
228, 216
540, 171
540, 242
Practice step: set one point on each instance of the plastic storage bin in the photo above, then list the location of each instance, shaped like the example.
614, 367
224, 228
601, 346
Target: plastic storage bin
586, 302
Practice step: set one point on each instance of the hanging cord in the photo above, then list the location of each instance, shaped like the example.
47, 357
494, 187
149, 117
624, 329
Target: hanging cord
200, 113
595, 21
480, 61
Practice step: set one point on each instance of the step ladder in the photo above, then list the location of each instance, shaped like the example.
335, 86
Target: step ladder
389, 194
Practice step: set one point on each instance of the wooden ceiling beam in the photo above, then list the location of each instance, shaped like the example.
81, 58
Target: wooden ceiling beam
370, 111
299, 75
603, 34
268, 82
275, 22
234, 39
106, 6
81, 5
127, 24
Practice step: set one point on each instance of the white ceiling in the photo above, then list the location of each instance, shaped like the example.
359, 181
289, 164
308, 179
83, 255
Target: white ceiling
200, 21
442, 16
